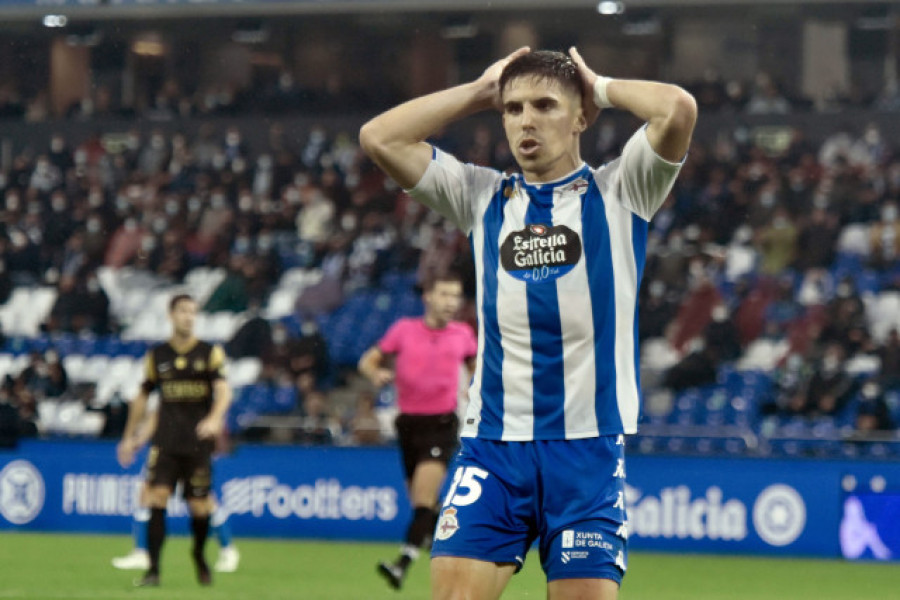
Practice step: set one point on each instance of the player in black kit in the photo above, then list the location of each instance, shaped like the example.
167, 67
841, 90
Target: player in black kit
194, 396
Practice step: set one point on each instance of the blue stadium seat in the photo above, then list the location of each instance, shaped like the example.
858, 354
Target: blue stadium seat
867, 281
284, 399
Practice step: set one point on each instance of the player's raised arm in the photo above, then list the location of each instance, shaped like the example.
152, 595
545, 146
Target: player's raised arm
669, 110
395, 140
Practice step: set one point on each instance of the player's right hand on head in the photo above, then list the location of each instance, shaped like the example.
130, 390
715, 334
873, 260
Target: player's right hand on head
491, 76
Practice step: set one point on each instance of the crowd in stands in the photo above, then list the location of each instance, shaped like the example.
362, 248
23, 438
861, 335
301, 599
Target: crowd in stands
172, 99
782, 263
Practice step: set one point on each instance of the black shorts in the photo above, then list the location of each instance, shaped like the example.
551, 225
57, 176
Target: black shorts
426, 437
194, 471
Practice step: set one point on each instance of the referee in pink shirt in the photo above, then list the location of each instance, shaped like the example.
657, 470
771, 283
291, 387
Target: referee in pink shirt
428, 353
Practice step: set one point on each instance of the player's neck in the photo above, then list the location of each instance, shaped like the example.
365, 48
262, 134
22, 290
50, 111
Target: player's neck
432, 322
562, 168
182, 343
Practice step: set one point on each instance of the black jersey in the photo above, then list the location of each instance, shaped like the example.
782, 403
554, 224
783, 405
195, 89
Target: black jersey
185, 384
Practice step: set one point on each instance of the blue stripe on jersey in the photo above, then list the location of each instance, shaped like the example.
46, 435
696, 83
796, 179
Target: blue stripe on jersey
598, 262
548, 373
491, 422
639, 229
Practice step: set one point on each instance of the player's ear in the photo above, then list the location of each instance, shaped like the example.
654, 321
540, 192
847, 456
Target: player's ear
581, 122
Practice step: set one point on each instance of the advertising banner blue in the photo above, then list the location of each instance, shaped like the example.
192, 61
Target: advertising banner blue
318, 492
688, 504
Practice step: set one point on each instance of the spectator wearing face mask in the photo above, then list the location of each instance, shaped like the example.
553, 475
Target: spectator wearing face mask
872, 413
125, 243
695, 311
777, 243
884, 238
830, 387
845, 314
154, 157
657, 310
46, 176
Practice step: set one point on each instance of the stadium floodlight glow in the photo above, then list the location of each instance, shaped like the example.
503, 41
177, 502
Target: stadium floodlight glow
608, 7
55, 20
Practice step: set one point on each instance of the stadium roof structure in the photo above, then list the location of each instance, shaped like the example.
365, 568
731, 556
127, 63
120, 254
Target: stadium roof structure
123, 9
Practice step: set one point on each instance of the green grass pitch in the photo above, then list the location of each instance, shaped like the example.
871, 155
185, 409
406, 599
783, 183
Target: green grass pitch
48, 567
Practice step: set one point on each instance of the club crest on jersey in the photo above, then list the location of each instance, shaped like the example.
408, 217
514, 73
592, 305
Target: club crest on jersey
577, 186
448, 524
540, 252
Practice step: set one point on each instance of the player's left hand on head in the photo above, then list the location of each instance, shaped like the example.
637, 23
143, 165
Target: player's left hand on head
588, 78
491, 75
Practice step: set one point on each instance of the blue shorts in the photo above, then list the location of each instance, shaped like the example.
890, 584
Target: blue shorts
568, 494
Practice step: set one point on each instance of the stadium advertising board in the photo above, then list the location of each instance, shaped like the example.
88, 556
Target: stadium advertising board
686, 504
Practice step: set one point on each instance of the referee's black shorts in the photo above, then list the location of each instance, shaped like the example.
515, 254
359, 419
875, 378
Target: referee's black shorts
426, 437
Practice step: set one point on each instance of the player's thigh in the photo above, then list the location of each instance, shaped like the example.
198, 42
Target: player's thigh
582, 589
454, 578
197, 478
199, 507
426, 482
488, 512
158, 495
583, 532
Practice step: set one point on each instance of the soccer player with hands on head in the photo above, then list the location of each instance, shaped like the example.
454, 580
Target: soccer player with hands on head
559, 250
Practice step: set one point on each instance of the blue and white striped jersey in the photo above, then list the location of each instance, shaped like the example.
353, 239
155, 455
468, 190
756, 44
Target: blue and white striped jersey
558, 267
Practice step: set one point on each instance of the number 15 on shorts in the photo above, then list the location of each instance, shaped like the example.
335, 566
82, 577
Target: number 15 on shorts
466, 486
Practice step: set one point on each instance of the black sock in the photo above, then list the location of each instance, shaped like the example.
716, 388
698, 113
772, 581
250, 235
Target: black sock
156, 535
419, 530
200, 530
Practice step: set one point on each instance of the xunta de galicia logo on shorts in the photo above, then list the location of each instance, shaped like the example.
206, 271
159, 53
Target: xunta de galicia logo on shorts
21, 492
540, 253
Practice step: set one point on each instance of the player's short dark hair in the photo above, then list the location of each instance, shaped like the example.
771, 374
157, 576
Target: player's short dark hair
444, 276
179, 298
549, 65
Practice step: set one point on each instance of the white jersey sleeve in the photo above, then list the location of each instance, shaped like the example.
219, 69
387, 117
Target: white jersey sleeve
454, 189
640, 179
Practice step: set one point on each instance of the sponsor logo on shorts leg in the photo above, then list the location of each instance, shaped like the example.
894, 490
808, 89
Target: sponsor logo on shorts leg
578, 544
21, 492
447, 525
779, 515
591, 539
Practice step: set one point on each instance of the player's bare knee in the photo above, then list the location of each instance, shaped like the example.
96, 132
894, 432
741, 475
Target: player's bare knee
200, 507
158, 496
582, 589
465, 579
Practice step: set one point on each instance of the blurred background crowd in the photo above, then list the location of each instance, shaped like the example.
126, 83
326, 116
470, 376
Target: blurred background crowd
769, 305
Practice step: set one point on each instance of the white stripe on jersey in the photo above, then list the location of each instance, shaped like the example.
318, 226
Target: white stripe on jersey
473, 409
518, 391
577, 329
625, 276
